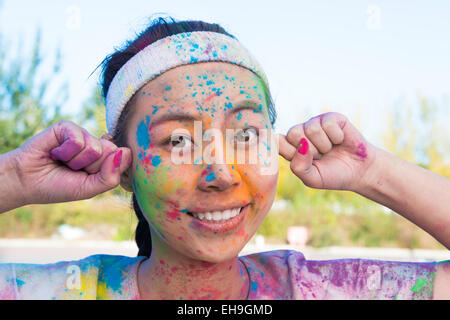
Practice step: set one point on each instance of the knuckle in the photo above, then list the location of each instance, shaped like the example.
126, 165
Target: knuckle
79, 143
94, 150
294, 131
328, 121
64, 123
312, 128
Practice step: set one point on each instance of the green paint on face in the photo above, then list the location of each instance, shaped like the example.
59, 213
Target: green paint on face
264, 88
151, 190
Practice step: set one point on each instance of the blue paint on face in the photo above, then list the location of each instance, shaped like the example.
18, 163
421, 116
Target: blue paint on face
228, 105
143, 137
211, 176
156, 108
156, 161
239, 116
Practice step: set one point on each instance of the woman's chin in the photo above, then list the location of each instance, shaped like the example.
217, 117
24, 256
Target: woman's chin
215, 256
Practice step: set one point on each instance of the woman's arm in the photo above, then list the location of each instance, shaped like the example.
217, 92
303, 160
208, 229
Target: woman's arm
419, 195
10, 191
328, 152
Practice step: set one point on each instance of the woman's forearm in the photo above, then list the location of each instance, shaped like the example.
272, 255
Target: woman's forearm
419, 195
10, 193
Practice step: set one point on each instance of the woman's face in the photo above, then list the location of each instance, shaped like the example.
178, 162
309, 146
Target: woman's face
202, 114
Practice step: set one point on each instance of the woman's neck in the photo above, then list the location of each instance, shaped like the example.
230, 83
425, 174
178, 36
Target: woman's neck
170, 275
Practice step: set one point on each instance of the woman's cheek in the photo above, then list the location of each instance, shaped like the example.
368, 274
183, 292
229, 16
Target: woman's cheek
156, 187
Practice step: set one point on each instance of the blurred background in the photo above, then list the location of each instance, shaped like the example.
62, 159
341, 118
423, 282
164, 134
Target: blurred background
384, 64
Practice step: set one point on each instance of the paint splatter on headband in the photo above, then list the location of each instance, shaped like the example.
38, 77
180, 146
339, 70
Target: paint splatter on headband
170, 52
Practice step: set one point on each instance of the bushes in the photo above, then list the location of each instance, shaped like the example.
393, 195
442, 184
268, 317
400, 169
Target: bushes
35, 221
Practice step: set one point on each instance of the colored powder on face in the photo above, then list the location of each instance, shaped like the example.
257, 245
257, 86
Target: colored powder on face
143, 138
209, 98
156, 161
168, 88
174, 214
239, 116
211, 176
155, 109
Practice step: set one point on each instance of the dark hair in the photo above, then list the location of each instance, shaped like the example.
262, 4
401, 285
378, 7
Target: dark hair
159, 28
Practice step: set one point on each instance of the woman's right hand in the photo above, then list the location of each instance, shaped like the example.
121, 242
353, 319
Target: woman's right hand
66, 163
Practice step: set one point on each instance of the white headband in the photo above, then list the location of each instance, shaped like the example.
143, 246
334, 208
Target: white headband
170, 52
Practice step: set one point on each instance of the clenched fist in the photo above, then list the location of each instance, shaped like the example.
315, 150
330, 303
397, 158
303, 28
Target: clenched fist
66, 163
328, 152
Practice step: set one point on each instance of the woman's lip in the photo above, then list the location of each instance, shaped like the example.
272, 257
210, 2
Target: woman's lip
219, 226
231, 207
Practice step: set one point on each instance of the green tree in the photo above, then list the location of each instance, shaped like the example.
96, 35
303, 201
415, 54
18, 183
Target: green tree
92, 114
29, 98
92, 118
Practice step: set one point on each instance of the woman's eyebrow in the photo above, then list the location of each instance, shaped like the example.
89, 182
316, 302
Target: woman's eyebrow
174, 116
181, 116
245, 104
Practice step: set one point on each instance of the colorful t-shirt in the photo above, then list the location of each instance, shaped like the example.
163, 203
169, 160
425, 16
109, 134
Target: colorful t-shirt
279, 274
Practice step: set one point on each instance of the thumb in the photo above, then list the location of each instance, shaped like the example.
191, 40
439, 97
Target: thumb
302, 165
109, 175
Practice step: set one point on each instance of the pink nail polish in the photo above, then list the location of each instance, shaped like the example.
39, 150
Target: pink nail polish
118, 159
303, 147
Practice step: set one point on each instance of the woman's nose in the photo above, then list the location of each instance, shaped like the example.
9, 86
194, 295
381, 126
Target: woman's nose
219, 177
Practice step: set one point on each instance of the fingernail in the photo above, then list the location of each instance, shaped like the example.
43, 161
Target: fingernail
303, 147
118, 159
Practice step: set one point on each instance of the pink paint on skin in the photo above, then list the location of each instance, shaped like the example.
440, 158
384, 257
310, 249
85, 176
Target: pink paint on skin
210, 97
88, 157
361, 151
66, 151
174, 214
303, 147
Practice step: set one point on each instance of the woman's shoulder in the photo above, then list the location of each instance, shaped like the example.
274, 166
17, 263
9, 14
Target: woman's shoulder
77, 279
363, 279
269, 273
343, 278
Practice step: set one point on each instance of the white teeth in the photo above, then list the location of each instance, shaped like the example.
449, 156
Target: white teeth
217, 215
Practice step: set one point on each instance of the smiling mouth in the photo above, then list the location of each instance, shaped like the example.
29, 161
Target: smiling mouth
217, 216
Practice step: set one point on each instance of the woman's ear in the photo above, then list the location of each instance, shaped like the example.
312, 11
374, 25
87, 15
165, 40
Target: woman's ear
126, 180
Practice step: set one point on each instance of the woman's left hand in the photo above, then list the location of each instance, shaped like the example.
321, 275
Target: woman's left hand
328, 152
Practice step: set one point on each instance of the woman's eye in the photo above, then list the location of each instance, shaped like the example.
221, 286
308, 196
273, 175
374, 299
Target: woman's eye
247, 135
180, 142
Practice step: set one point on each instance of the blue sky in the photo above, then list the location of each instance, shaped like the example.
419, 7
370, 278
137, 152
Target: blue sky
353, 57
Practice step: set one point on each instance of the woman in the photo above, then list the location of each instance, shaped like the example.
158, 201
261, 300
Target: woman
175, 87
